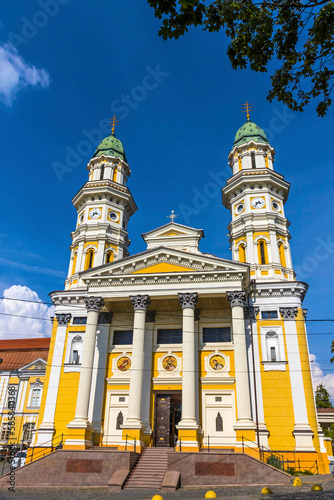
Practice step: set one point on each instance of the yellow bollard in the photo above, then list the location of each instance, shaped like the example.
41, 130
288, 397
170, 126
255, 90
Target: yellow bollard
157, 497
297, 482
210, 494
316, 487
266, 491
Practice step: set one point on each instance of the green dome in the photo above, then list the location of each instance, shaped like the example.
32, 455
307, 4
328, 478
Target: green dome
110, 146
250, 132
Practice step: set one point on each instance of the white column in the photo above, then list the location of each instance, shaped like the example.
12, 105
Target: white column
46, 429
250, 258
302, 431
80, 263
197, 318
99, 256
140, 303
147, 375
188, 302
274, 247
98, 377
237, 301
93, 305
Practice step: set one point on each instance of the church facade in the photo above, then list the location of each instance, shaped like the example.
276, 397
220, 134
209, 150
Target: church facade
173, 347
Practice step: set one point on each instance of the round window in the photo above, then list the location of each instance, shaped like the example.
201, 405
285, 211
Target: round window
276, 206
239, 208
113, 216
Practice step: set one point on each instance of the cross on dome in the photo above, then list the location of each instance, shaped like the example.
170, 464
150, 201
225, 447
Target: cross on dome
172, 216
113, 122
246, 108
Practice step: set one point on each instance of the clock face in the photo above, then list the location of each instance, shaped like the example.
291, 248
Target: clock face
257, 202
95, 213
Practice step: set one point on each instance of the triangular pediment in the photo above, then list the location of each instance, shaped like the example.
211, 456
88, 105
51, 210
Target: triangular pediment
38, 364
164, 261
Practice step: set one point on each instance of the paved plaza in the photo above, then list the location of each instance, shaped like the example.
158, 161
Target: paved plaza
232, 493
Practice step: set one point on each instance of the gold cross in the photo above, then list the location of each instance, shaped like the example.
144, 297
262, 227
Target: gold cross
172, 216
113, 122
246, 108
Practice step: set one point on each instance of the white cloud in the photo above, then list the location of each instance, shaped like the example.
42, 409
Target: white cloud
16, 74
318, 376
35, 324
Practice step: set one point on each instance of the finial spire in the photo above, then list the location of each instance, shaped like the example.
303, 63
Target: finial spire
246, 108
113, 123
172, 216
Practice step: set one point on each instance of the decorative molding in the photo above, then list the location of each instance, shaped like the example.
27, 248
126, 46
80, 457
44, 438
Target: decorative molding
188, 300
105, 318
289, 313
305, 313
93, 303
236, 298
158, 279
140, 302
274, 366
63, 319
150, 316
254, 311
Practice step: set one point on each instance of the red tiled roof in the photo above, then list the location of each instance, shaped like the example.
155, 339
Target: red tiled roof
16, 353
325, 410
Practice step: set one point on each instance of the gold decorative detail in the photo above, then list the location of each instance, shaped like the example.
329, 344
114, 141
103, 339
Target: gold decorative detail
217, 362
124, 364
113, 122
169, 363
246, 108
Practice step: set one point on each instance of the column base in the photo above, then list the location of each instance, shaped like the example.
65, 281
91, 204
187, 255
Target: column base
80, 435
46, 433
189, 435
303, 435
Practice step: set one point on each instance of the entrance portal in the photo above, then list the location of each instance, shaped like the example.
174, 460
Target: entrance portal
166, 416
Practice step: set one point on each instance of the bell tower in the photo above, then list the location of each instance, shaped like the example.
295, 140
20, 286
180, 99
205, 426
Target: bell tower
104, 206
255, 196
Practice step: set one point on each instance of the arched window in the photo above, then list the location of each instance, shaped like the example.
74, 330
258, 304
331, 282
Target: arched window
242, 253
281, 254
109, 257
272, 346
89, 259
76, 346
253, 160
119, 420
262, 252
219, 423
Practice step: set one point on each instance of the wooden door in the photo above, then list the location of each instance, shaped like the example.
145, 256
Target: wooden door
162, 420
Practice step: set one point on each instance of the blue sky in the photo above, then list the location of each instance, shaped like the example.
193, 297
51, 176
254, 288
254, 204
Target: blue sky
76, 63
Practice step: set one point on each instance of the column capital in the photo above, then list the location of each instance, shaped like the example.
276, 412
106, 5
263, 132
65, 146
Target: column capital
305, 314
93, 303
251, 313
150, 316
105, 318
188, 300
63, 319
140, 302
288, 313
236, 298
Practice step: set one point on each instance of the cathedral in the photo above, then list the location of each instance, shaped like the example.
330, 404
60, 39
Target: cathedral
173, 347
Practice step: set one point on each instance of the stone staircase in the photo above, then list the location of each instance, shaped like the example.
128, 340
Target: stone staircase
149, 470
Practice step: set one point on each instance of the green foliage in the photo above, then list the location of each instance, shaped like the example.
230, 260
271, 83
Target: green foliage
274, 461
292, 471
322, 397
306, 472
329, 433
299, 33
332, 350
